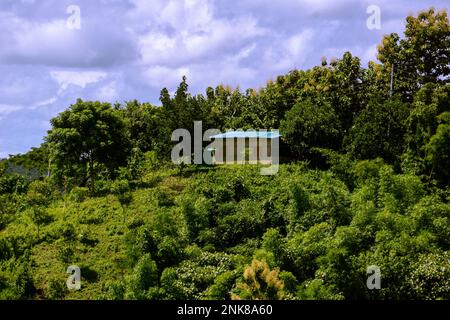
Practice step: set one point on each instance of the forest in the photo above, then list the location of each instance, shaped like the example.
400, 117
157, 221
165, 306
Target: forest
365, 181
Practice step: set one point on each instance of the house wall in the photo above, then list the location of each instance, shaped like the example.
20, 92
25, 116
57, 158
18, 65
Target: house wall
252, 145
232, 150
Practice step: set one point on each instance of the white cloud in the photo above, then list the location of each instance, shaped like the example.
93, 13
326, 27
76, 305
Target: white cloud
298, 44
370, 54
108, 92
326, 5
6, 109
78, 78
289, 53
28, 41
161, 76
50, 42
196, 33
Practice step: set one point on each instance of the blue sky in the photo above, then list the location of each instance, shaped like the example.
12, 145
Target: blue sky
131, 49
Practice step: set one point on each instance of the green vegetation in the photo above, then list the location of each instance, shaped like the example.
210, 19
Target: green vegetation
366, 183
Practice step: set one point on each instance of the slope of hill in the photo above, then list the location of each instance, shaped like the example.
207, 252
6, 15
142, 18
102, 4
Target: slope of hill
205, 234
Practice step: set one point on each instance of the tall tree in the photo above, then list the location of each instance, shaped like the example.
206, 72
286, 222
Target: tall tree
311, 124
423, 56
379, 131
86, 137
438, 149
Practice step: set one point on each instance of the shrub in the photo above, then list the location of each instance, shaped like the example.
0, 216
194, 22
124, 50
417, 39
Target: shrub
15, 279
66, 254
259, 283
316, 289
169, 252
56, 289
144, 276
115, 290
102, 187
7, 209
163, 197
79, 194
223, 284
12, 183
140, 241
430, 277
119, 187
39, 193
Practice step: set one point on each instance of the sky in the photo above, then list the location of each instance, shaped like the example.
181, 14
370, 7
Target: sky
55, 51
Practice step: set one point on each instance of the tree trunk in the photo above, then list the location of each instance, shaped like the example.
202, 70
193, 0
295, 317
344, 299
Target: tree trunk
91, 174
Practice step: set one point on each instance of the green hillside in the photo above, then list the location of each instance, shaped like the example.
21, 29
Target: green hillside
192, 237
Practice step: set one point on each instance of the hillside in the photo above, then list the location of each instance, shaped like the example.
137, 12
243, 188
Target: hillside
192, 237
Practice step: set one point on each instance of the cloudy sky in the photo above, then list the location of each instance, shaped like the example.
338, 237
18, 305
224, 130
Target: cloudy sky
129, 49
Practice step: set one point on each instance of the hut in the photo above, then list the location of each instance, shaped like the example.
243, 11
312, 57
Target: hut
241, 147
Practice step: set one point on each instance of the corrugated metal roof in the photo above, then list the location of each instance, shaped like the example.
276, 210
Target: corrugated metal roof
248, 134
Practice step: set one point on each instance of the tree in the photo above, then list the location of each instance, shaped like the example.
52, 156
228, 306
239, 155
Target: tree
423, 56
428, 37
308, 125
260, 283
421, 123
222, 286
125, 199
438, 149
180, 110
430, 277
345, 88
86, 137
430, 101
38, 197
144, 276
379, 131
142, 125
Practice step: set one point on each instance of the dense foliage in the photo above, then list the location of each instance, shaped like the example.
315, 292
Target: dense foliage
365, 183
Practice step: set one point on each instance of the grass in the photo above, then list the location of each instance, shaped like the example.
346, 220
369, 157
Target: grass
91, 234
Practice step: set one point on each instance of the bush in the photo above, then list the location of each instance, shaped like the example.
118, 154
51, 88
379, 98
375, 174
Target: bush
15, 279
66, 232
196, 215
119, 187
79, 194
316, 289
7, 209
66, 254
115, 290
140, 241
56, 289
169, 252
259, 283
12, 183
39, 193
163, 197
430, 277
144, 276
103, 187
222, 287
